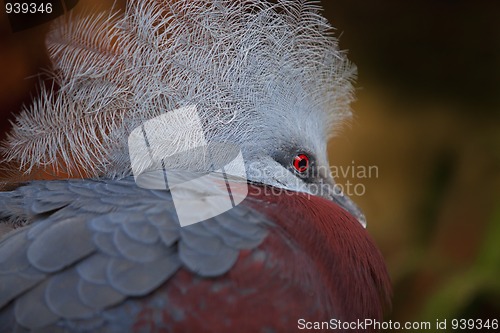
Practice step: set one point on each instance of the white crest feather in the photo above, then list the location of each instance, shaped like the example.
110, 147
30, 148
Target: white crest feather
246, 64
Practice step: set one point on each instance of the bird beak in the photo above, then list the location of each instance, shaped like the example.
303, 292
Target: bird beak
334, 194
345, 202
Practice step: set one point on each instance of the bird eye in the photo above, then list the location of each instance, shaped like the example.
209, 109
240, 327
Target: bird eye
301, 163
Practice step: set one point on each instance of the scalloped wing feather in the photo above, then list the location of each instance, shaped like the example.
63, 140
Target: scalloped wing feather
82, 254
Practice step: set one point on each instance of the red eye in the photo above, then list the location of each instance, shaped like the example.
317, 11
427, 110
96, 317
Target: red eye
301, 163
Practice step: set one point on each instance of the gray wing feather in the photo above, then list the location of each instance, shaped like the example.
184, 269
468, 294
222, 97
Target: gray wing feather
106, 223
16, 273
232, 238
43, 205
92, 244
105, 244
140, 278
98, 295
144, 232
205, 264
61, 244
31, 309
13, 253
37, 228
211, 245
13, 285
63, 298
135, 250
93, 269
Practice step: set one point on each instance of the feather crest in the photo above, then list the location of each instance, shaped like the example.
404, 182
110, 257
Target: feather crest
245, 64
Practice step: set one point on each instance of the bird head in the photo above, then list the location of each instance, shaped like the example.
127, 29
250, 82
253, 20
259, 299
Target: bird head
265, 76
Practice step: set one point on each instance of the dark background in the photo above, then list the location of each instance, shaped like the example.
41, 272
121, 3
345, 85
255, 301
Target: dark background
427, 116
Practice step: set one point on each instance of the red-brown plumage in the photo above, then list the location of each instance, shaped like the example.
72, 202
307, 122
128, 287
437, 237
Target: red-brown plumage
317, 263
344, 255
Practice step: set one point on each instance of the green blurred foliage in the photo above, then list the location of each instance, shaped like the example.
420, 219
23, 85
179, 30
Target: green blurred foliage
463, 294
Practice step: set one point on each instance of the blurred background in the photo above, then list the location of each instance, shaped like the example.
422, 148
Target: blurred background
427, 117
